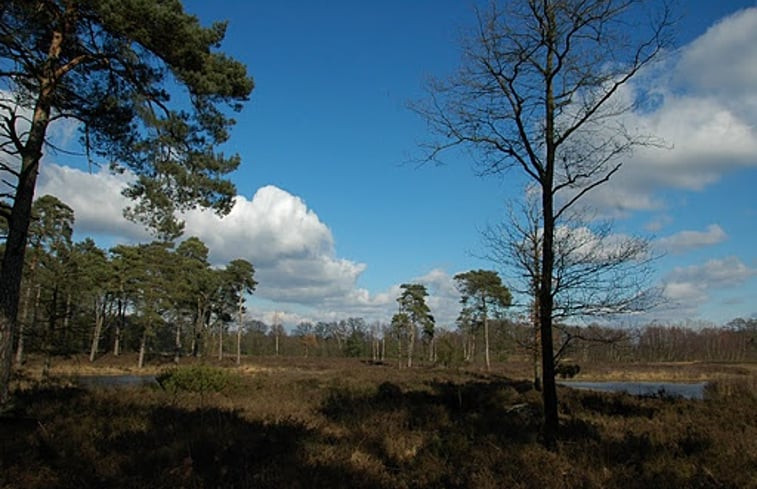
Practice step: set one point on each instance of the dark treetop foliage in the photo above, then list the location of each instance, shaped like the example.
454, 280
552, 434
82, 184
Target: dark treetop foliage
108, 66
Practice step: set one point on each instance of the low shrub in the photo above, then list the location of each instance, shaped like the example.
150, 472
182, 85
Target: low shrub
196, 379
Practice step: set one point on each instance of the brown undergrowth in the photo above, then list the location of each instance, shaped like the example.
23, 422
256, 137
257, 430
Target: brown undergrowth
350, 424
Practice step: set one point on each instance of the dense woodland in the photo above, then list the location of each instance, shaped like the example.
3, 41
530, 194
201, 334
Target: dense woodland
164, 299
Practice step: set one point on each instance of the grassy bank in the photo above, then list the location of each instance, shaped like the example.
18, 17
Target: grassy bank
313, 424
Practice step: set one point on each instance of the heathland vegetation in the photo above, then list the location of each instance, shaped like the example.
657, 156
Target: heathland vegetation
342, 422
342, 403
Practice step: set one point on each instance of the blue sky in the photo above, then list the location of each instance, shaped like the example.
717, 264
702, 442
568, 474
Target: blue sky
335, 214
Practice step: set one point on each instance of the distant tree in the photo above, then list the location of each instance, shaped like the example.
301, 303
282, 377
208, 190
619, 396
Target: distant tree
238, 278
412, 303
596, 272
94, 281
102, 66
305, 331
51, 234
483, 294
277, 330
467, 327
540, 89
402, 327
356, 337
56, 271
124, 261
145, 275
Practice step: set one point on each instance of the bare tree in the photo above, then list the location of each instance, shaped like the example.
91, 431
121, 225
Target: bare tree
596, 272
542, 89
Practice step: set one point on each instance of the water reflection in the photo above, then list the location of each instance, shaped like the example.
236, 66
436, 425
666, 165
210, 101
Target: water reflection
671, 389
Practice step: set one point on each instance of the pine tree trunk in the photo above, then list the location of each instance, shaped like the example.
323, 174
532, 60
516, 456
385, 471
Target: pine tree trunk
177, 343
25, 312
142, 349
410, 345
20, 344
96, 333
239, 347
20, 215
67, 321
399, 352
15, 245
486, 344
220, 341
117, 332
239, 331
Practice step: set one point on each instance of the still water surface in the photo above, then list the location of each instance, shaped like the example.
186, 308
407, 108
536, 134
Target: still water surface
673, 389
114, 380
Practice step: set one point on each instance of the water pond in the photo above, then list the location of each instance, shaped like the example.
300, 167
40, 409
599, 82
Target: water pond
95, 381
672, 389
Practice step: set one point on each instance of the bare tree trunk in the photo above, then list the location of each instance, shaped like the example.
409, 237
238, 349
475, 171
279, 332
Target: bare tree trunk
25, 311
177, 343
410, 346
119, 324
97, 332
67, 320
239, 331
486, 343
142, 348
537, 344
220, 340
21, 336
399, 352
20, 343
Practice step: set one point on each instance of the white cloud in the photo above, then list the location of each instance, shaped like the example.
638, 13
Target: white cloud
95, 198
687, 288
727, 51
297, 267
292, 250
688, 240
705, 111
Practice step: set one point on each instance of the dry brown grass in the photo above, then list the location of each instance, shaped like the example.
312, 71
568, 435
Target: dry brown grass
339, 423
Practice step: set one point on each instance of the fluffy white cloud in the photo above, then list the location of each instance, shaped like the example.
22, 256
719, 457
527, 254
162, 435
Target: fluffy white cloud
724, 58
705, 113
688, 240
299, 272
95, 198
292, 250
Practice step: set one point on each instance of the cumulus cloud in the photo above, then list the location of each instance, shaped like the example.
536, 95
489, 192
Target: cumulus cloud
687, 288
688, 240
299, 272
705, 113
727, 50
95, 198
291, 248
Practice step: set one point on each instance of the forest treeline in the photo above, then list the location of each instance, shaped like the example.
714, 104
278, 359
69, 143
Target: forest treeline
166, 299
